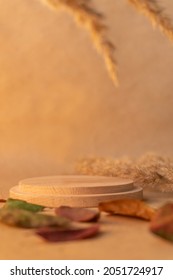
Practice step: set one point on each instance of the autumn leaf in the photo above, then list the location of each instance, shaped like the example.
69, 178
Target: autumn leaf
128, 207
162, 223
20, 204
2, 200
78, 214
27, 219
56, 235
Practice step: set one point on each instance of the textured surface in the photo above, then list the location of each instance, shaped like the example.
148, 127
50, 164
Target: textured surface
58, 104
74, 195
75, 184
75, 191
120, 238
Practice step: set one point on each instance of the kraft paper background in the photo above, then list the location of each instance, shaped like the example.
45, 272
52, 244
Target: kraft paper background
57, 102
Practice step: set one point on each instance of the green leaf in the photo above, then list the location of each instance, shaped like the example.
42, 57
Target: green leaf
21, 204
27, 219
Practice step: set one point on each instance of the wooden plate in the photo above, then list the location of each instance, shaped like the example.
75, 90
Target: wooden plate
74, 190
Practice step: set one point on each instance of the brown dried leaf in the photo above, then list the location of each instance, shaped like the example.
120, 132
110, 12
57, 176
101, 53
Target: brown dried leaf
162, 223
78, 214
55, 235
128, 207
2, 200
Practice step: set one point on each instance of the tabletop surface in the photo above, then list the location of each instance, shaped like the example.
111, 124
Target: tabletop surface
119, 238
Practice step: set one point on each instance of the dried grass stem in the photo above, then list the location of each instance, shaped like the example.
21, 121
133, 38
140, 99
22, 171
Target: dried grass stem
93, 21
152, 10
150, 171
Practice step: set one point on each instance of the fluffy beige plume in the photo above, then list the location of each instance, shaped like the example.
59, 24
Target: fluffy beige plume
150, 171
88, 17
155, 13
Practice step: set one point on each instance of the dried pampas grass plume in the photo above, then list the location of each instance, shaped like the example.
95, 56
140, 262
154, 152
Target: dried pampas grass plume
150, 171
152, 10
86, 16
93, 21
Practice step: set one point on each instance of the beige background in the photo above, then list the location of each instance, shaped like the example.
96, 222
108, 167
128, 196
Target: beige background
57, 102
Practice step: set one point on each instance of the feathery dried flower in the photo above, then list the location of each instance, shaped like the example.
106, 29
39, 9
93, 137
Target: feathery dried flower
106, 167
92, 20
149, 171
152, 10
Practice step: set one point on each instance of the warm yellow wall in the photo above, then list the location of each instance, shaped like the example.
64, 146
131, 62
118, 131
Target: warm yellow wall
57, 102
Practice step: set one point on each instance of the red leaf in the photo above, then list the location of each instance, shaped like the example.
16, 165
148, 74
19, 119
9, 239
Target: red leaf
56, 235
162, 223
78, 214
2, 200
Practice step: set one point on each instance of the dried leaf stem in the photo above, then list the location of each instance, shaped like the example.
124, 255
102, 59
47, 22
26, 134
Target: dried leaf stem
152, 10
93, 21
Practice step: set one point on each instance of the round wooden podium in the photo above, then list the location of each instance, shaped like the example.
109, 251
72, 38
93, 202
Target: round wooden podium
74, 190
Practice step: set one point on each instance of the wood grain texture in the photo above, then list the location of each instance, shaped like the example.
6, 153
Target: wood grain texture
75, 184
76, 191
